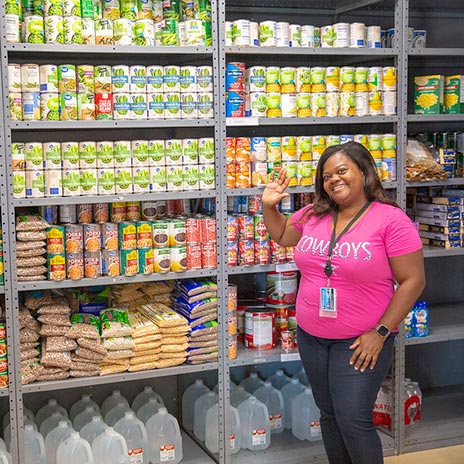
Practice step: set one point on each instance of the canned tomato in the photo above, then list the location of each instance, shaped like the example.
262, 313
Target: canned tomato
281, 287
260, 328
277, 252
245, 227
118, 212
110, 236
144, 234
129, 262
110, 263
262, 252
74, 238
177, 232
146, 261
127, 236
209, 255
84, 213
101, 212
246, 249
194, 256
259, 228
56, 240
56, 266
75, 265
162, 259
232, 253
92, 237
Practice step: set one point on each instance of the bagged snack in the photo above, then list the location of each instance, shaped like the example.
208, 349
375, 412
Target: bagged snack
60, 309
162, 315
29, 246
30, 372
29, 253
84, 353
420, 165
30, 222
28, 335
31, 236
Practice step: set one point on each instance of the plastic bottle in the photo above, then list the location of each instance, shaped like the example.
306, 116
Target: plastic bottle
274, 402
92, 429
164, 438
2, 444
302, 377
306, 417
59, 434
80, 406
200, 409
34, 446
252, 382
232, 387
48, 410
191, 394
279, 379
212, 429
5, 457
51, 422
26, 412
289, 392
143, 397
116, 413
7, 432
133, 430
254, 424
238, 396
110, 448
149, 409
74, 450
84, 417
112, 400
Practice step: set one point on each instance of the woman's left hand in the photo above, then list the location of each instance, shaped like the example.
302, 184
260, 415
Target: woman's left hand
366, 351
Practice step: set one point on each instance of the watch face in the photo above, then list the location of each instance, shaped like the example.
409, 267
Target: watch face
383, 331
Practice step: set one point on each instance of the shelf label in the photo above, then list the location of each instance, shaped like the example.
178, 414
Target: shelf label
290, 357
242, 122
286, 267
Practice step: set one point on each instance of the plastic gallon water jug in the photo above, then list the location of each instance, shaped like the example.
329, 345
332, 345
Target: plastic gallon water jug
238, 396
34, 446
232, 387
112, 400
116, 413
74, 450
149, 409
7, 433
302, 377
289, 392
26, 412
200, 409
164, 438
306, 417
2, 444
5, 457
143, 397
51, 422
91, 430
252, 383
84, 417
80, 406
254, 425
48, 410
133, 430
279, 379
110, 448
191, 394
212, 429
59, 434
274, 402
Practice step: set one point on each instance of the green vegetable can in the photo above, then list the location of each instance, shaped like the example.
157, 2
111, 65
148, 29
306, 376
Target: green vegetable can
88, 182
13, 28
19, 184
138, 79
33, 29
207, 176
13, 7
207, 33
155, 78
33, 152
194, 33
71, 8
123, 31
122, 105
128, 9
171, 79
156, 106
16, 106
52, 8
86, 106
206, 150
73, 30
189, 105
138, 106
68, 105
35, 183
85, 78
105, 156
204, 10
54, 30
52, 155
172, 9
70, 154
48, 78
144, 33
49, 107
188, 79
205, 105
170, 32
172, 105
71, 183
120, 78
205, 78
88, 155
156, 152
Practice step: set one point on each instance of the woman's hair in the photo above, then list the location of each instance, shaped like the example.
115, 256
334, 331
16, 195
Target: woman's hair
373, 189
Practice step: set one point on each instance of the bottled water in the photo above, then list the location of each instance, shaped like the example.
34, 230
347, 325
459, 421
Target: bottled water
116, 413
212, 429
133, 430
110, 448
51, 422
200, 409
112, 401
5, 457
306, 417
91, 430
254, 424
252, 382
232, 387
84, 417
59, 434
149, 409
74, 450
7, 433
34, 446
26, 412
413, 402
302, 377
143, 397
164, 438
273, 400
80, 406
2, 444
238, 396
279, 379
48, 410
191, 394
289, 392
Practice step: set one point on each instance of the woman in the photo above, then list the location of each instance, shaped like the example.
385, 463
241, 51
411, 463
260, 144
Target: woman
352, 245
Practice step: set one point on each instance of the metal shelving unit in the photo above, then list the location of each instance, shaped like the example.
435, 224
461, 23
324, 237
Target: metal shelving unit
367, 52
246, 357
310, 121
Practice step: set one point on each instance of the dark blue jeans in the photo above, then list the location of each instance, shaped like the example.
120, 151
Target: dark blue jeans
345, 397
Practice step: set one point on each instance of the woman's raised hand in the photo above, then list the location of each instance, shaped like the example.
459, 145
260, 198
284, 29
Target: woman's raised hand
274, 192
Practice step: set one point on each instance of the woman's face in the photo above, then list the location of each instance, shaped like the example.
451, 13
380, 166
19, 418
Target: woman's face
343, 180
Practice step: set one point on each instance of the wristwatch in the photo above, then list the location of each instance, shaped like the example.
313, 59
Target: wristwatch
382, 330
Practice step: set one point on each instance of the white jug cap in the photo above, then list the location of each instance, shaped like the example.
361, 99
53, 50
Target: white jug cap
74, 435
162, 411
129, 414
148, 388
62, 424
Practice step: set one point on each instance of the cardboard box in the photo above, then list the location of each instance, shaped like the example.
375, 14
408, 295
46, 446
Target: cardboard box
428, 94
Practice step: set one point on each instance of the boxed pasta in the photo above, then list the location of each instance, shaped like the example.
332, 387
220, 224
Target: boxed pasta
429, 94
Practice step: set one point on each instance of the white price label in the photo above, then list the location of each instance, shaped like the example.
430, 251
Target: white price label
167, 453
290, 357
315, 429
258, 437
242, 122
135, 456
276, 421
232, 441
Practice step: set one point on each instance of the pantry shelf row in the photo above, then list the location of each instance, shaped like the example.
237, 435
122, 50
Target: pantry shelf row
340, 120
436, 51
4, 392
247, 357
435, 117
435, 252
312, 51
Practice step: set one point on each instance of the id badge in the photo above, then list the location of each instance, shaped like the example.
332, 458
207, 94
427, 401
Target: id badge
328, 302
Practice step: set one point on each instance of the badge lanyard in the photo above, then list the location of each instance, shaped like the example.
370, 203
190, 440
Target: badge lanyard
328, 295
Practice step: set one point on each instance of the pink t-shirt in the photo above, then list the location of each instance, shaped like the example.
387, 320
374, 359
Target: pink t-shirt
362, 274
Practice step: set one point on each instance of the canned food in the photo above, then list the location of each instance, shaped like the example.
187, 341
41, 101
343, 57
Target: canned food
101, 212
133, 211
246, 249
281, 287
342, 35
31, 106
209, 255
127, 236
194, 256
33, 29
74, 238
92, 264
262, 252
162, 259
48, 78
75, 265
357, 35
260, 328
50, 109
92, 237
389, 78
177, 232
49, 213
178, 258
110, 263
68, 214
267, 34
144, 234
35, 183
318, 104
129, 260
56, 267
16, 106
110, 236
56, 241
146, 261
104, 32
282, 34
208, 230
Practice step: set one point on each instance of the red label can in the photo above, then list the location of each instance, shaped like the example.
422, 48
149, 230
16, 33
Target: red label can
230, 149
118, 212
74, 238
245, 227
208, 230
255, 205
209, 255
104, 106
262, 252
260, 231
232, 253
194, 256
232, 228
133, 211
260, 328
246, 249
278, 254
192, 231
75, 265
289, 253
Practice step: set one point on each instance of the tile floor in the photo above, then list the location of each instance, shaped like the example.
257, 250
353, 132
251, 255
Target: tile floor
449, 455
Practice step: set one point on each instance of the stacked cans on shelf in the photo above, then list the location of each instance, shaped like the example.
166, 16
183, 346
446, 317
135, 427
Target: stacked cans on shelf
110, 22
232, 321
71, 92
56, 169
289, 92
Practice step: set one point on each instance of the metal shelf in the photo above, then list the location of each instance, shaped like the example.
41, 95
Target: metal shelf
436, 51
435, 117
2, 289
52, 385
52, 284
234, 122
442, 420
116, 198
113, 124
436, 252
192, 453
247, 357
4, 392
261, 268
446, 324
437, 183
259, 190
312, 51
